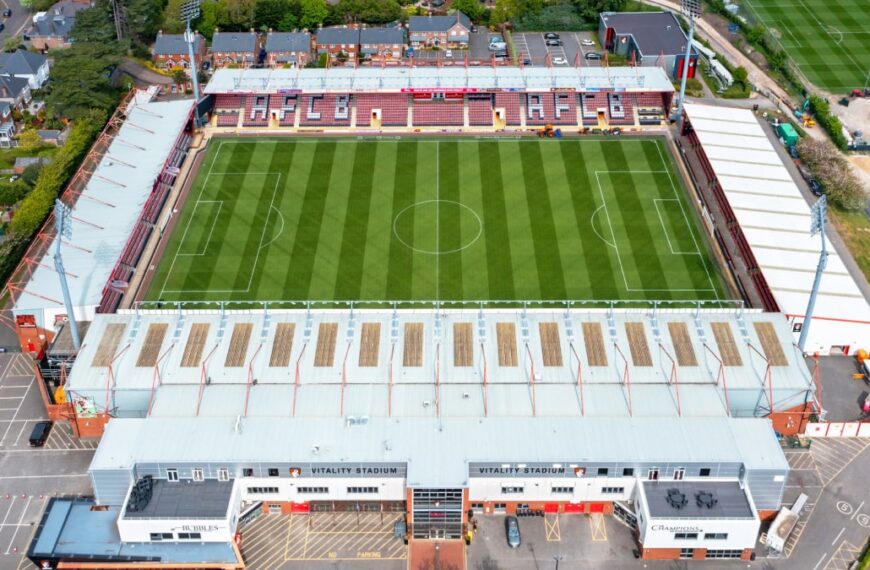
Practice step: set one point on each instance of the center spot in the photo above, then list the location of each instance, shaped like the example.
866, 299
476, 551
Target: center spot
421, 227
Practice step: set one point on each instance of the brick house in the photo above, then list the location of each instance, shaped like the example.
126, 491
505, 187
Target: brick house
288, 48
239, 48
337, 40
15, 91
440, 31
51, 28
378, 43
170, 50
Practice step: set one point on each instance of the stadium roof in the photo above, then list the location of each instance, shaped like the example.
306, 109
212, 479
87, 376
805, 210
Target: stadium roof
654, 32
470, 79
453, 363
108, 208
775, 219
438, 452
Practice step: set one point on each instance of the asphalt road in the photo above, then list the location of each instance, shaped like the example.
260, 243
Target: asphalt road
18, 23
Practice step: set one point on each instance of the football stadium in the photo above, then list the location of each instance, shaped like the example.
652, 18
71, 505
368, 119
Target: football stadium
421, 299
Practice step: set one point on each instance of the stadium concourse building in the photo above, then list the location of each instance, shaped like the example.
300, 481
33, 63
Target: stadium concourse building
460, 97
765, 221
665, 419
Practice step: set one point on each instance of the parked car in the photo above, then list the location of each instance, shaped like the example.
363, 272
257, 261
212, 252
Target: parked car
497, 46
560, 61
805, 172
551, 36
793, 152
40, 433
448, 53
473, 29
553, 42
7, 13
2, 26
592, 55
512, 530
587, 42
815, 187
527, 61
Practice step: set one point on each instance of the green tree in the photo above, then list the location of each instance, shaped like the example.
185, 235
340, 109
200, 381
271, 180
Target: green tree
471, 8
172, 23
213, 15
179, 76
288, 22
269, 13
80, 79
740, 75
313, 13
31, 173
143, 19
590, 9
241, 14
29, 141
12, 43
95, 24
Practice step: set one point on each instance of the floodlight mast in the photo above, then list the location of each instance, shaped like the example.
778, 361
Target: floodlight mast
690, 9
63, 229
190, 11
817, 214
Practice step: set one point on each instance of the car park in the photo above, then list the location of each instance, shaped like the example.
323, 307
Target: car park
592, 55
815, 187
793, 152
448, 54
551, 36
7, 13
40, 433
553, 43
2, 26
587, 42
512, 531
560, 61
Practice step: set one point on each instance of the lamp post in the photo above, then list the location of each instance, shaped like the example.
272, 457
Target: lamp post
63, 229
690, 9
190, 11
817, 214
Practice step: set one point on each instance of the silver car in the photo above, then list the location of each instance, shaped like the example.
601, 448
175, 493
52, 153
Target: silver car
512, 530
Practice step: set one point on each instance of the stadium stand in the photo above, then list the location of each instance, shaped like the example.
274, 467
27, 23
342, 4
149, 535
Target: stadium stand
433, 112
510, 102
650, 108
325, 110
539, 108
479, 110
231, 102
256, 111
393, 108
228, 119
591, 103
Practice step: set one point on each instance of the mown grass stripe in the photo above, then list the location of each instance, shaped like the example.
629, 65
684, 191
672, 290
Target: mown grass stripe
354, 238
400, 268
596, 254
499, 265
308, 233
380, 228
449, 223
551, 278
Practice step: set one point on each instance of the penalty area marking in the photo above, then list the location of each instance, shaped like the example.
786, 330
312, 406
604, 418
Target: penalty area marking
220, 204
665, 230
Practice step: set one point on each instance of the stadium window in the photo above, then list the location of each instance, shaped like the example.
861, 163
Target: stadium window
189, 536
263, 490
312, 490
705, 472
158, 536
247, 472
223, 474
273, 472
512, 490
612, 490
562, 490
720, 554
172, 474
602, 471
362, 490
685, 536
198, 474
687, 553
628, 472
716, 536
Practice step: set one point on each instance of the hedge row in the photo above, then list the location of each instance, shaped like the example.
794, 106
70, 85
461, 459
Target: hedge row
828, 121
33, 209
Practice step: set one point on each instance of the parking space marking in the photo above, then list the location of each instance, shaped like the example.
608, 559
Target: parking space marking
551, 528
598, 527
843, 557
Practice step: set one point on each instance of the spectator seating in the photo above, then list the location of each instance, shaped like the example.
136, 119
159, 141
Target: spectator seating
650, 108
228, 119
284, 106
539, 108
256, 111
227, 102
590, 103
435, 112
325, 110
510, 102
480, 110
623, 101
394, 108
564, 109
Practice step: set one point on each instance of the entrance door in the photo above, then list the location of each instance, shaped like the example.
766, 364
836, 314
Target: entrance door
654, 474
437, 533
437, 513
679, 472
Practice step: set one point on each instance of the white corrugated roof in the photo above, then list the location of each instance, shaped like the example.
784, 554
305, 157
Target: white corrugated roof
776, 221
109, 207
484, 78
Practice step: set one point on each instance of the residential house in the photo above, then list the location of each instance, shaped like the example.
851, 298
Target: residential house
451, 31
53, 136
25, 65
288, 48
170, 50
22, 162
15, 91
7, 133
338, 40
382, 43
51, 28
234, 48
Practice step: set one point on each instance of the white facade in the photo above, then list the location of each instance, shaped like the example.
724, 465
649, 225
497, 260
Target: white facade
337, 489
582, 490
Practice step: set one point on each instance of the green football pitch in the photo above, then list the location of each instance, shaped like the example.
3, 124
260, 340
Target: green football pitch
424, 219
829, 40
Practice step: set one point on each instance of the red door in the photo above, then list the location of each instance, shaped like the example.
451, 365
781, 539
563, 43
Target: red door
596, 507
299, 507
574, 508
551, 507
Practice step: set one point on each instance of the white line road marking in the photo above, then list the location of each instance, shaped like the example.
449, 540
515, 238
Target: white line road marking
20, 519
9, 510
61, 476
839, 534
18, 409
820, 561
856, 511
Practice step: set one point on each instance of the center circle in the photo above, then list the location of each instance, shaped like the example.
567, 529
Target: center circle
418, 226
